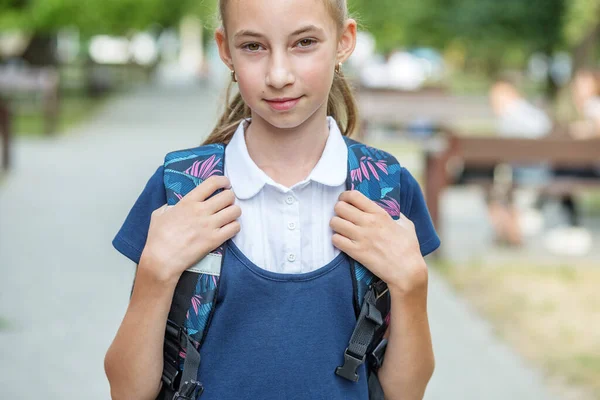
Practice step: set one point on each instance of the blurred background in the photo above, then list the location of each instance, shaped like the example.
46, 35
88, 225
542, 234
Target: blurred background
493, 105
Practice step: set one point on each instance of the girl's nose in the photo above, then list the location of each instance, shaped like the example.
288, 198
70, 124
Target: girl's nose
280, 73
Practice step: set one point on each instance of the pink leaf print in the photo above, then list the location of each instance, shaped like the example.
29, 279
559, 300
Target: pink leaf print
372, 168
205, 169
196, 302
178, 196
381, 165
356, 174
391, 206
367, 164
363, 167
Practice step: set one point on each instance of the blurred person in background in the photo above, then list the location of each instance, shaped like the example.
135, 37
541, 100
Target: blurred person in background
585, 91
515, 117
574, 239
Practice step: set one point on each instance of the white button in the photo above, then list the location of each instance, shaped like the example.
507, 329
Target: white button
289, 200
291, 257
292, 226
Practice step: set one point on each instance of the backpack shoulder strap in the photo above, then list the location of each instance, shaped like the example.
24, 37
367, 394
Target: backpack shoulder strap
195, 296
376, 174
186, 169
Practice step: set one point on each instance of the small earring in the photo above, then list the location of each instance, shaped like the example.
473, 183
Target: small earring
233, 77
338, 68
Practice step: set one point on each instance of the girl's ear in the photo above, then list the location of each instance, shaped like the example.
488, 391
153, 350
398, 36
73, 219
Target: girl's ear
347, 41
223, 45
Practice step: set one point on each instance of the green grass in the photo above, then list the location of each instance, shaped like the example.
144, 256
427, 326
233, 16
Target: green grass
590, 202
549, 314
4, 325
73, 110
472, 83
460, 83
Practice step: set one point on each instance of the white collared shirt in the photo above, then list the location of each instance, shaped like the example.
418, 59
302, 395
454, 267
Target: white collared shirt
286, 230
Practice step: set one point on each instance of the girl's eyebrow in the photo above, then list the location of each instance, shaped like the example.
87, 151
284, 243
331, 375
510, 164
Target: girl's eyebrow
307, 28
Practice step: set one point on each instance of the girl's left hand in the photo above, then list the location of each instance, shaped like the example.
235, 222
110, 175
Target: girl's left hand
388, 248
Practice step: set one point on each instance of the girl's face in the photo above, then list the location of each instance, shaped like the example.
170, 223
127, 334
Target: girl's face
284, 53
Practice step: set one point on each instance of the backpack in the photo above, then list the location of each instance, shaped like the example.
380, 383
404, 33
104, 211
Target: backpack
374, 173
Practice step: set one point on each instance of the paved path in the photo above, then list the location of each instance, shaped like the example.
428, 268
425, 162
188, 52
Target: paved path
64, 289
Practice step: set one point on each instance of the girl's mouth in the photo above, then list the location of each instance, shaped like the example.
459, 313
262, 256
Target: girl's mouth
283, 104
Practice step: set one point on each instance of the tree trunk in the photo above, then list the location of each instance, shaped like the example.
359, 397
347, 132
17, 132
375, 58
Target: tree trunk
583, 52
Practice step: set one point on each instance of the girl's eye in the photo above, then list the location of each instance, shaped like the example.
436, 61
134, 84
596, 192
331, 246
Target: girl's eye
306, 42
252, 46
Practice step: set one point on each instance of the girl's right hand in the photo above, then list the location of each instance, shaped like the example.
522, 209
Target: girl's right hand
181, 235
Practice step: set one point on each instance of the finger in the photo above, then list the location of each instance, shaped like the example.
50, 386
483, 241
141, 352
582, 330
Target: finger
349, 212
228, 231
207, 188
226, 216
360, 201
344, 227
219, 201
344, 244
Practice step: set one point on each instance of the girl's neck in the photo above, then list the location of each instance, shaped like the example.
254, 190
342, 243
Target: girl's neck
287, 155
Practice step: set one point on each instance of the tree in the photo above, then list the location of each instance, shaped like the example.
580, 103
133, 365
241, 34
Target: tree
44, 18
396, 23
488, 26
493, 32
582, 30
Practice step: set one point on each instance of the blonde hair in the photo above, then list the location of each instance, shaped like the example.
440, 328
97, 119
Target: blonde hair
341, 104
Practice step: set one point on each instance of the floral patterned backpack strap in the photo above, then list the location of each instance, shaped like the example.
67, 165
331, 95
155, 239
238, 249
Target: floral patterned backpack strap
376, 174
195, 296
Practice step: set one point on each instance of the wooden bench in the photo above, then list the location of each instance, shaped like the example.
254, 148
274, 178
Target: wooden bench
396, 108
447, 155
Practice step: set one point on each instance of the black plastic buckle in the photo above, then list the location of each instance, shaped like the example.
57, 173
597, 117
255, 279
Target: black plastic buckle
190, 390
170, 374
374, 315
176, 333
380, 288
378, 354
351, 364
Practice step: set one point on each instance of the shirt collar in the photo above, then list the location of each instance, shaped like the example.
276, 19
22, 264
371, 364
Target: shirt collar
247, 179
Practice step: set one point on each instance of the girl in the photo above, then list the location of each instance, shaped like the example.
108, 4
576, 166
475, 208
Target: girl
284, 307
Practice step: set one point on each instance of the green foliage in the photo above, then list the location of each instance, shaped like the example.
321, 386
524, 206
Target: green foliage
581, 18
490, 29
401, 22
494, 31
97, 16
